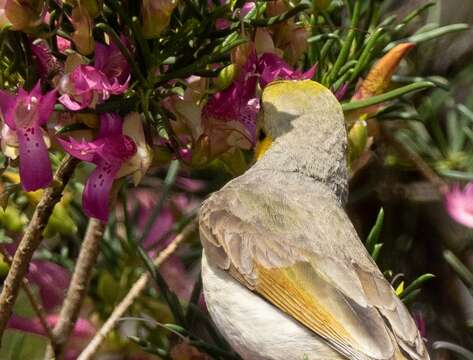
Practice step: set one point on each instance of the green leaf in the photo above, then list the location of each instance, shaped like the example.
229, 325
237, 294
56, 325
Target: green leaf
72, 127
428, 35
18, 345
455, 133
466, 112
376, 251
411, 16
456, 174
417, 283
407, 299
459, 267
373, 236
390, 95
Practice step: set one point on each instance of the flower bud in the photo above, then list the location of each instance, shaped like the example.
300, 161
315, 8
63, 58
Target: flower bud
12, 220
246, 8
357, 139
263, 41
292, 39
92, 7
107, 288
379, 76
275, 8
241, 53
24, 14
3, 17
140, 162
4, 268
201, 151
226, 77
156, 15
82, 36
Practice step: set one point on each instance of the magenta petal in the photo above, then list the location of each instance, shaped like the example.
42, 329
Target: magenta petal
110, 125
246, 8
83, 150
97, 190
67, 101
309, 74
27, 325
46, 106
101, 55
341, 91
51, 280
7, 106
110, 60
222, 24
272, 68
35, 167
36, 91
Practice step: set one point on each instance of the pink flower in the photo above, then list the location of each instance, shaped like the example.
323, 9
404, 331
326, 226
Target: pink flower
83, 331
246, 8
341, 91
108, 152
47, 63
229, 117
51, 280
63, 44
459, 204
272, 68
160, 235
420, 322
222, 24
110, 60
87, 86
3, 18
25, 113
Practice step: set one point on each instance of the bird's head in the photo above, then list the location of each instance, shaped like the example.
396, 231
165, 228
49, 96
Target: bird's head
304, 104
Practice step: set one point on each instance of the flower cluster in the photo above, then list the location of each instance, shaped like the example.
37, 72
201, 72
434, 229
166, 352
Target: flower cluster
80, 73
26, 114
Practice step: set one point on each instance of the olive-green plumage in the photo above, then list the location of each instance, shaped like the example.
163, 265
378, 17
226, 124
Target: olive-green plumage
285, 274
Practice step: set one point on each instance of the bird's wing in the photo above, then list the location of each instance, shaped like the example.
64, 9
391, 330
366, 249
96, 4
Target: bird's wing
299, 251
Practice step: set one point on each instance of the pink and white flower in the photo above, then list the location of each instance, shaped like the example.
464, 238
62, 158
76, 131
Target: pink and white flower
459, 204
25, 114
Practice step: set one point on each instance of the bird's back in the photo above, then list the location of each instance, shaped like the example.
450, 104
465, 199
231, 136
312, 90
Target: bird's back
286, 238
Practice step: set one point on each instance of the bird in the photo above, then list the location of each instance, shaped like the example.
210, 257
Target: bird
284, 273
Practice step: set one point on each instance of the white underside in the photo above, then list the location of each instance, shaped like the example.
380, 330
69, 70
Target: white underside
253, 327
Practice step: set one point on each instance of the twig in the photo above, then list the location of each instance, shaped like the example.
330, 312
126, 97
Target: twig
77, 290
131, 296
37, 307
32, 238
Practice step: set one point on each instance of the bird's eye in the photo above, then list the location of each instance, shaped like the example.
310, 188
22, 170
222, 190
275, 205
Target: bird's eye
261, 134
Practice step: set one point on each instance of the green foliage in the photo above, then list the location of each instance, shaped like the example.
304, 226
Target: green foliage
17, 345
406, 294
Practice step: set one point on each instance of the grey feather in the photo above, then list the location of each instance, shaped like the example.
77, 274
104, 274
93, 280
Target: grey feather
287, 211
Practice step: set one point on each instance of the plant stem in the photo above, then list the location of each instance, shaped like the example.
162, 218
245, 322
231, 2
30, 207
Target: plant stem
32, 238
132, 295
37, 307
77, 290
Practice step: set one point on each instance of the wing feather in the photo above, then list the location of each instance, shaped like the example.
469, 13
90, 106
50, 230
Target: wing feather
301, 253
